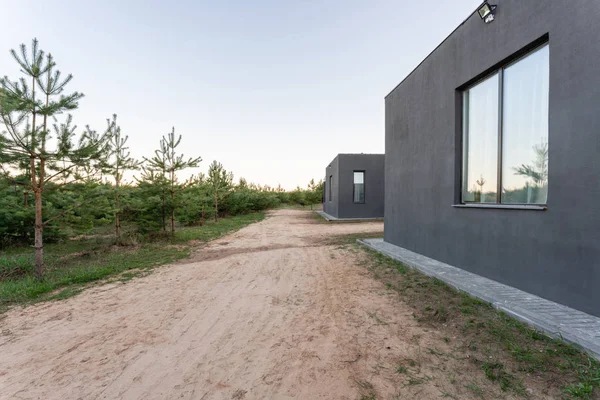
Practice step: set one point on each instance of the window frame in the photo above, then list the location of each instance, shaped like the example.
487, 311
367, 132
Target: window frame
364, 187
330, 188
462, 130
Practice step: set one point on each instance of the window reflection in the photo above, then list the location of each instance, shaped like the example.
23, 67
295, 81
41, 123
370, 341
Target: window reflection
525, 130
359, 187
481, 142
524, 96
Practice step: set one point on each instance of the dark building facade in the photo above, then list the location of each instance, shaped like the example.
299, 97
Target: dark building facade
354, 186
493, 151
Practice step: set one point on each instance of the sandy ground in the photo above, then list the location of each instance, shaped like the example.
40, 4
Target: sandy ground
270, 312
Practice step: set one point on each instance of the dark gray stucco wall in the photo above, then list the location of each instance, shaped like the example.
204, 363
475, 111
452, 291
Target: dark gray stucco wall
342, 169
372, 165
554, 253
330, 206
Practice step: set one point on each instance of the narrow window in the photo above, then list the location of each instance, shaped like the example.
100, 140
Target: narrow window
505, 134
481, 142
525, 130
330, 186
359, 187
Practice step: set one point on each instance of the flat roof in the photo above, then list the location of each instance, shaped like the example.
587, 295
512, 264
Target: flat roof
354, 154
361, 154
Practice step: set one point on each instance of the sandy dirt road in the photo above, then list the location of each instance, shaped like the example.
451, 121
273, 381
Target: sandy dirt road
269, 312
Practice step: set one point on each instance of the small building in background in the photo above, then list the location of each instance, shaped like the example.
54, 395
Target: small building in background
354, 187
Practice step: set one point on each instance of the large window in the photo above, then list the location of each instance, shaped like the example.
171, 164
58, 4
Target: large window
359, 187
505, 134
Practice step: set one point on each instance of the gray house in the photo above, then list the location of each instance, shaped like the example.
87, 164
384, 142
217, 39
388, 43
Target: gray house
494, 141
354, 187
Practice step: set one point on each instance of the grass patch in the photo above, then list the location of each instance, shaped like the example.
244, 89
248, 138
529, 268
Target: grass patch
448, 396
72, 264
366, 389
314, 217
506, 351
295, 206
401, 369
213, 230
66, 293
414, 381
352, 238
475, 389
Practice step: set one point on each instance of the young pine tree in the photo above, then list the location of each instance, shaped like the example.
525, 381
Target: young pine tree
315, 192
167, 160
118, 160
148, 208
154, 176
194, 200
25, 107
219, 182
312, 188
202, 192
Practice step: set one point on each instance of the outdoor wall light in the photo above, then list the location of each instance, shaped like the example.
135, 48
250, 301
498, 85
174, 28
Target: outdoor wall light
487, 12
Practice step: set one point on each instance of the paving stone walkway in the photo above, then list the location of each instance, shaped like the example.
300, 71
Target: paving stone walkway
331, 218
554, 319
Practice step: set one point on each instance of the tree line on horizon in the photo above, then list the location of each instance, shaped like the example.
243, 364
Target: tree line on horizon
56, 182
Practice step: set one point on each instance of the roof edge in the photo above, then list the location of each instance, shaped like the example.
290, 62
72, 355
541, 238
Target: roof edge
361, 154
433, 51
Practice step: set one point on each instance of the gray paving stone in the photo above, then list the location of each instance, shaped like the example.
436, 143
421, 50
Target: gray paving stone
331, 218
556, 320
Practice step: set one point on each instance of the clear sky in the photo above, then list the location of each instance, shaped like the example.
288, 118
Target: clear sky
272, 89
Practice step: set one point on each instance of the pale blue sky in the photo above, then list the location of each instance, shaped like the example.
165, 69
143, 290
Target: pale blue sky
272, 89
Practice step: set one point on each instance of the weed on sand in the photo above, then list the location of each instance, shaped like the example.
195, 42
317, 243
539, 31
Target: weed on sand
504, 350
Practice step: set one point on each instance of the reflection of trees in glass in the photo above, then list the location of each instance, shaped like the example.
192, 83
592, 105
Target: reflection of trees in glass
477, 194
536, 191
480, 182
538, 172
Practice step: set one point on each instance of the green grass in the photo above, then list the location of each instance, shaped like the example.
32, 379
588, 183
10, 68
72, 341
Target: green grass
401, 369
317, 218
213, 230
288, 206
505, 350
352, 238
367, 390
75, 263
475, 389
448, 396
